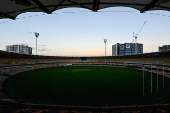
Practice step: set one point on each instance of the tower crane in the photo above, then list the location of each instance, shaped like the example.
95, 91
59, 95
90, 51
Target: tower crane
136, 36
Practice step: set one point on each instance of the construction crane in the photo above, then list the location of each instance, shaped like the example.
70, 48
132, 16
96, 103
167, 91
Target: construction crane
136, 36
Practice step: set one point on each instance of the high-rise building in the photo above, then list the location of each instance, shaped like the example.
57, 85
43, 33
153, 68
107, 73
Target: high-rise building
115, 49
164, 48
22, 49
126, 49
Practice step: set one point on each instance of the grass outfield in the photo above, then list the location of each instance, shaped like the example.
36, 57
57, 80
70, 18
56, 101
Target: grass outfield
84, 85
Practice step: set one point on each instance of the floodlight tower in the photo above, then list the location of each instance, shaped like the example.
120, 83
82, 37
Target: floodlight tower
105, 40
135, 42
36, 35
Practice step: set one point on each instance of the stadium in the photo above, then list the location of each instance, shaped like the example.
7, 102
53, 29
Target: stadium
63, 84
82, 94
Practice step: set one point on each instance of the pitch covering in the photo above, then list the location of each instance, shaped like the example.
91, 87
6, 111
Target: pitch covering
12, 8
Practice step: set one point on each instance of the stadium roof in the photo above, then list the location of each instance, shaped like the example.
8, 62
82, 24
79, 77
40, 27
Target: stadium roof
12, 8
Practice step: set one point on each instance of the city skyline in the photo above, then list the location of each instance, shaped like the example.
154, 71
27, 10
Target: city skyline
80, 32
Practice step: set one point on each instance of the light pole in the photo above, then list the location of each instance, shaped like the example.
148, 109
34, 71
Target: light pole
143, 81
157, 76
151, 76
36, 35
105, 40
163, 76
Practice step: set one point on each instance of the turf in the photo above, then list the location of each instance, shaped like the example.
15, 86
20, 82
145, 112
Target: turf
95, 86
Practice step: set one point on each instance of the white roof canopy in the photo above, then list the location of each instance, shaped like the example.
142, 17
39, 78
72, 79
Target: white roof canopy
12, 8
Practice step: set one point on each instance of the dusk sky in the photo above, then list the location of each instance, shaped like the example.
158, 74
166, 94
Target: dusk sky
80, 32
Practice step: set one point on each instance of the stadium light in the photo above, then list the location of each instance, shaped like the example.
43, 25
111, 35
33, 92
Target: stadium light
105, 40
36, 35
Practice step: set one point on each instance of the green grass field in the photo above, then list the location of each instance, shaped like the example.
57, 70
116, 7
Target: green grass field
96, 86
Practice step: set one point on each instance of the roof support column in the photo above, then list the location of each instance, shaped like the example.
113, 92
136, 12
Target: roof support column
79, 4
6, 15
41, 6
149, 6
58, 5
96, 5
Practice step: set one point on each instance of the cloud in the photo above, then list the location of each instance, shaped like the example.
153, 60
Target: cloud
44, 49
43, 45
21, 44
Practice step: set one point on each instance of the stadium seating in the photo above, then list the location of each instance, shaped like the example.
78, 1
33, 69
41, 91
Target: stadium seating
13, 64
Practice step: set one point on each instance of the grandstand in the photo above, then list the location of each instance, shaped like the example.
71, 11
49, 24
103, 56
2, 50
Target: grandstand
12, 64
